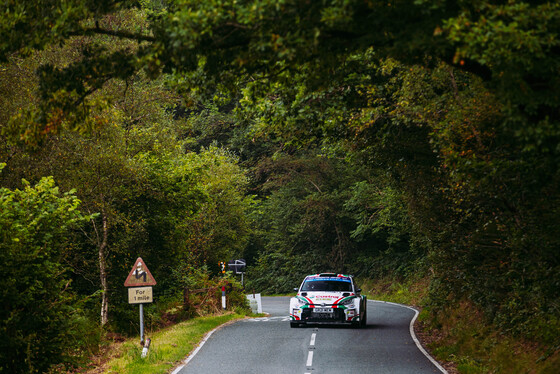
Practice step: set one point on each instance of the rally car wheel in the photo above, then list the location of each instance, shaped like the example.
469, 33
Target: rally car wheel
363, 320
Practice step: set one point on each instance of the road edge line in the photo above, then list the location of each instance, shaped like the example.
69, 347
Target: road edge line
413, 335
202, 342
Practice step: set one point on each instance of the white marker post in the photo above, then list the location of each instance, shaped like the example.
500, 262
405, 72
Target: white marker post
224, 297
146, 347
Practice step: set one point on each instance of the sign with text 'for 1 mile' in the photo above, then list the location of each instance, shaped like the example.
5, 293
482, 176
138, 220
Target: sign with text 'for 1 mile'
140, 295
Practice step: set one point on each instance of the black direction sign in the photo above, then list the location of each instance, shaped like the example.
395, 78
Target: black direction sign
237, 266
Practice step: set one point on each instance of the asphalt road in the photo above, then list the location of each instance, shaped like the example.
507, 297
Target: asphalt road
268, 345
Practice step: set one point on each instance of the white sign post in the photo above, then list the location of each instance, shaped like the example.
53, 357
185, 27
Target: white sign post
255, 303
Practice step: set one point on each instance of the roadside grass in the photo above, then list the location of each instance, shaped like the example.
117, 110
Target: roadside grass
168, 346
410, 292
459, 336
478, 347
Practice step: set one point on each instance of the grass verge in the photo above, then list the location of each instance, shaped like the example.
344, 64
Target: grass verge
168, 347
411, 292
479, 347
459, 336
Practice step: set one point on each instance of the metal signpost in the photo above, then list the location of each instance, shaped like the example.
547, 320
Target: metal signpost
140, 281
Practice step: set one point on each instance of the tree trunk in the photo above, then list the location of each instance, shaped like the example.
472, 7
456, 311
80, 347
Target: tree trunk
102, 248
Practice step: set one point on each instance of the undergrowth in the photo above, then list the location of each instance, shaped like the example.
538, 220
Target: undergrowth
460, 334
480, 347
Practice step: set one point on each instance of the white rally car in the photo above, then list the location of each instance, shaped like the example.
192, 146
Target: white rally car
328, 298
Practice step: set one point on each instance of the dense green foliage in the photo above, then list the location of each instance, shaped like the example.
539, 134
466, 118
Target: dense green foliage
368, 137
36, 317
180, 211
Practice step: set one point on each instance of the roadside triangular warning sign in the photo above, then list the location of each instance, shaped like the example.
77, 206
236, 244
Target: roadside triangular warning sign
139, 275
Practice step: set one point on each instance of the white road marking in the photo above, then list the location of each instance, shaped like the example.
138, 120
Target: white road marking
268, 319
413, 335
312, 342
309, 362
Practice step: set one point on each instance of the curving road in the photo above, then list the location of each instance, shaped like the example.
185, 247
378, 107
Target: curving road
269, 345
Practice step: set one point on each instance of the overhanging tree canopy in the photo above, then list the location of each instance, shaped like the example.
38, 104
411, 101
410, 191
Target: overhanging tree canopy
214, 44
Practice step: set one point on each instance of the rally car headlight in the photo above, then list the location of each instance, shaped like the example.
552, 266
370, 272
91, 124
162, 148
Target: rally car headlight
301, 302
348, 301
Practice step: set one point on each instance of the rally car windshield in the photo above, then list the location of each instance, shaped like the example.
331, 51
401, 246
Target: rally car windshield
327, 285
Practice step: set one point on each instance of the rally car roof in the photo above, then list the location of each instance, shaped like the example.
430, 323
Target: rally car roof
329, 275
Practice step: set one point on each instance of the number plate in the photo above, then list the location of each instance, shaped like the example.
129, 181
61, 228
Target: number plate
323, 310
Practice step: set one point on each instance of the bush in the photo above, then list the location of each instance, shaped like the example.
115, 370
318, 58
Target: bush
37, 316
